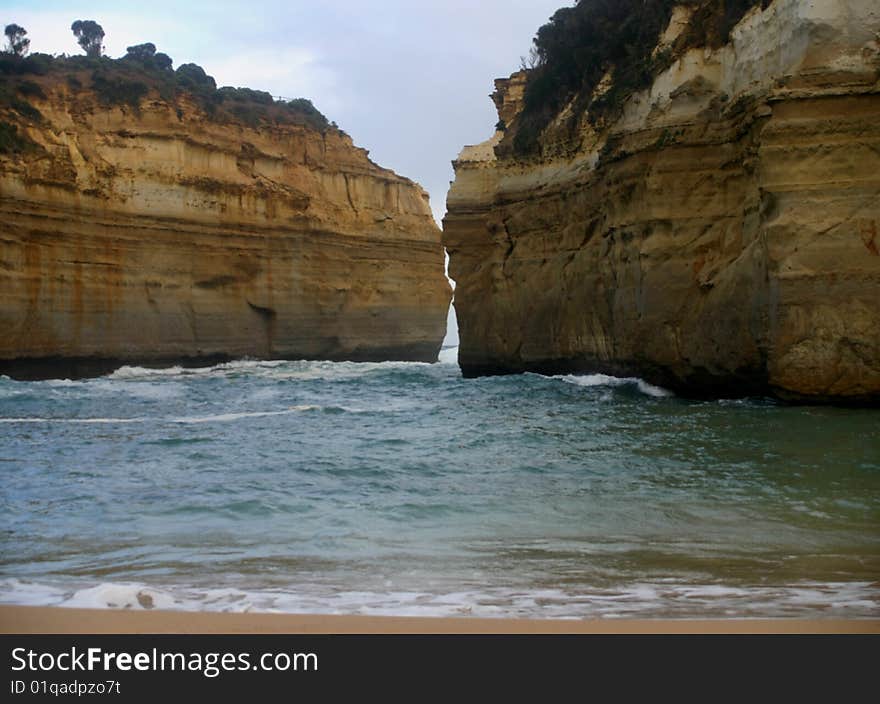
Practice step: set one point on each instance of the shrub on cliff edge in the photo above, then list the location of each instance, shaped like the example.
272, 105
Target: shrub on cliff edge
117, 90
580, 44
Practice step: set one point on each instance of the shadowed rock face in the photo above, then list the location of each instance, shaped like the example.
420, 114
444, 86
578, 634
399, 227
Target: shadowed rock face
157, 235
720, 237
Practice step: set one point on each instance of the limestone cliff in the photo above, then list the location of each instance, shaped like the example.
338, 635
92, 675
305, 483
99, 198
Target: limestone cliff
152, 231
718, 234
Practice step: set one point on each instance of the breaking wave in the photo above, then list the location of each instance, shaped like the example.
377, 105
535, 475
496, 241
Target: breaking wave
605, 380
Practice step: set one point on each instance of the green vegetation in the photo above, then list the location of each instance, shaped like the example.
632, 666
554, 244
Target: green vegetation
14, 65
25, 109
29, 89
305, 109
11, 142
15, 39
145, 55
193, 76
130, 79
140, 52
118, 90
11, 100
246, 95
668, 137
90, 36
580, 44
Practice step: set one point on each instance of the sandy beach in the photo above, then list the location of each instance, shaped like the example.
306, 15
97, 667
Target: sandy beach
38, 619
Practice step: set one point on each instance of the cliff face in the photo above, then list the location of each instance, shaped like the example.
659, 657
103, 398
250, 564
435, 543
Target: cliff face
154, 233
719, 236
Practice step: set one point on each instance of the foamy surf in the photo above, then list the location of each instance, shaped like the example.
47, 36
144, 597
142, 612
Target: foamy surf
304, 370
243, 365
638, 600
590, 380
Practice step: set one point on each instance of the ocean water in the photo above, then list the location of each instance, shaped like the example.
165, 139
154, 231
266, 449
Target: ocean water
404, 489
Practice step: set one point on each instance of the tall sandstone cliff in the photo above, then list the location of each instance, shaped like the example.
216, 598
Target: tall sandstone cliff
719, 236
155, 233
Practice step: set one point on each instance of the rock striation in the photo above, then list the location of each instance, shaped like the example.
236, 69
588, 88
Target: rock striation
153, 233
718, 236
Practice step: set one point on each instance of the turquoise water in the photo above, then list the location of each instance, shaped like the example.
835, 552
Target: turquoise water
401, 488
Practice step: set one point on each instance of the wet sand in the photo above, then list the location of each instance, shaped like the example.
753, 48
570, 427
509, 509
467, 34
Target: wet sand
40, 619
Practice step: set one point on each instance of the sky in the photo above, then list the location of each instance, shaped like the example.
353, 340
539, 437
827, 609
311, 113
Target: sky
409, 81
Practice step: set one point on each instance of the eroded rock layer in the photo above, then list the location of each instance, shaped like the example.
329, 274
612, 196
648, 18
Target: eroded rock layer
720, 237
156, 234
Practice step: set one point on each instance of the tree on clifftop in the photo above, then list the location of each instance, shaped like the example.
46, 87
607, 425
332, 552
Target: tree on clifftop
193, 76
145, 54
90, 36
141, 52
18, 45
163, 62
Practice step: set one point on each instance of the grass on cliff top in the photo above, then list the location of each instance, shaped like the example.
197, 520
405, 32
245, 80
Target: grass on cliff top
580, 44
128, 80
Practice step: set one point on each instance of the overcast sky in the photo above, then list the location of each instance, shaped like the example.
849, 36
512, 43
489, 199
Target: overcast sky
407, 80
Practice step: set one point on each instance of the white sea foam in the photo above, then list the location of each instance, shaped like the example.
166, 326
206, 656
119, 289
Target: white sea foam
121, 596
646, 600
217, 418
342, 371
11, 391
246, 364
158, 383
141, 372
277, 370
153, 388
651, 390
134, 372
606, 380
147, 390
